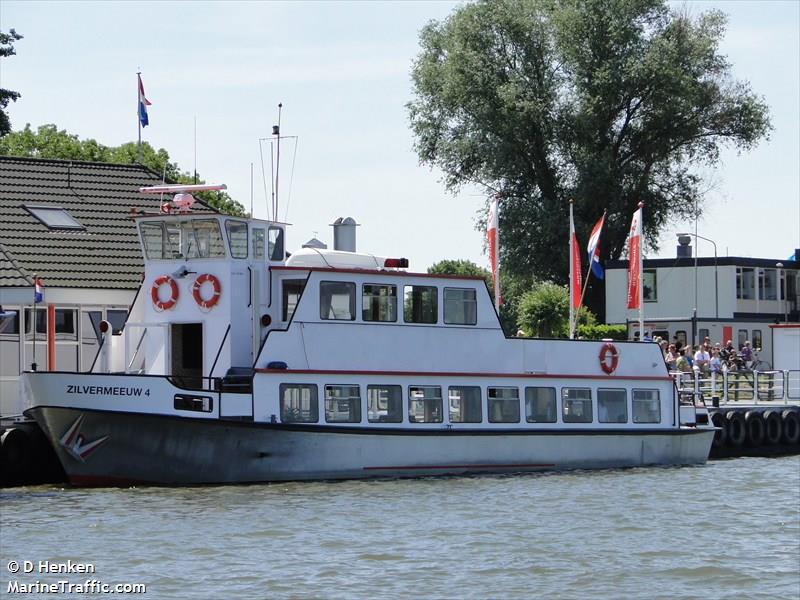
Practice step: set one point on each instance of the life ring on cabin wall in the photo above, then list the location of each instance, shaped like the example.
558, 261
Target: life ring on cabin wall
173, 296
609, 358
216, 291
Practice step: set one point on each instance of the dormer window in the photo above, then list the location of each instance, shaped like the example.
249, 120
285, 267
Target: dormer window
54, 217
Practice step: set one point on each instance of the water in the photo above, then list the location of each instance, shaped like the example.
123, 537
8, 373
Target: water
727, 529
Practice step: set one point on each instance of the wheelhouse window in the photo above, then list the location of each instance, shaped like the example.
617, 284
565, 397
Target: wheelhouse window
337, 300
421, 304
258, 243
540, 405
275, 237
649, 285
237, 238
576, 405
292, 289
465, 404
195, 238
299, 403
460, 306
745, 283
646, 406
503, 405
342, 404
425, 404
379, 303
612, 406
117, 318
385, 404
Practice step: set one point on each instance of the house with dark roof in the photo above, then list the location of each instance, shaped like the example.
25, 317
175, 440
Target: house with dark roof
68, 223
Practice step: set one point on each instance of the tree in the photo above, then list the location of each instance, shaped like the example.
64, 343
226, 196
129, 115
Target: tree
607, 102
544, 312
50, 142
7, 49
461, 267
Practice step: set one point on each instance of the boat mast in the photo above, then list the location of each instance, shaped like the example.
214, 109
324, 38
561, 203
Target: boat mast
276, 131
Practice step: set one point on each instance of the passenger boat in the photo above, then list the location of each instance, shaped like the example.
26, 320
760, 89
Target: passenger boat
242, 363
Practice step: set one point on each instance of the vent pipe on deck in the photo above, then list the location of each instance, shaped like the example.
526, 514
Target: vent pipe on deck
344, 234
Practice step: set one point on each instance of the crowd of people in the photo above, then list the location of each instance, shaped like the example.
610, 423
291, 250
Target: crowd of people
706, 358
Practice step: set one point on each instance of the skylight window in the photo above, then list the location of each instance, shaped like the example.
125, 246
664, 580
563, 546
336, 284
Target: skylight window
54, 217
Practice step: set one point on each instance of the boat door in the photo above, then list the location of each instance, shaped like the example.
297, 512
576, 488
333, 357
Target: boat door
186, 346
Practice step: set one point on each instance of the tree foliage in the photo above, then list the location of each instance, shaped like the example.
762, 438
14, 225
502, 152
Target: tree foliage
607, 102
50, 142
460, 267
7, 49
544, 312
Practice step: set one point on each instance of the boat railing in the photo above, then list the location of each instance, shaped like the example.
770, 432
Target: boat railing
751, 386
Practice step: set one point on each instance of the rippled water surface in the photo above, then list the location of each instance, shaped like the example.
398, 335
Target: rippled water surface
727, 529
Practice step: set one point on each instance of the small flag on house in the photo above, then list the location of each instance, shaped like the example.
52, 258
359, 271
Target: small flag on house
144, 121
38, 290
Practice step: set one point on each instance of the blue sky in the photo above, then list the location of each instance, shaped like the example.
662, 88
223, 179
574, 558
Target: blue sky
341, 70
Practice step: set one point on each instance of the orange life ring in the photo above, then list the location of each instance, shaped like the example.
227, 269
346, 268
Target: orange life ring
609, 350
198, 283
173, 298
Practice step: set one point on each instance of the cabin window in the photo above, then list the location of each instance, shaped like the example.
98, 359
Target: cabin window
460, 306
41, 321
425, 404
540, 405
421, 304
465, 404
342, 404
196, 238
379, 303
745, 283
503, 405
299, 403
756, 338
612, 406
275, 235
385, 403
337, 300
646, 406
117, 317
649, 286
292, 290
767, 284
576, 405
258, 243
237, 238
193, 403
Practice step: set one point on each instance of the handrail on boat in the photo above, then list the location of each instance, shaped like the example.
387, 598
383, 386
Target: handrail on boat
753, 386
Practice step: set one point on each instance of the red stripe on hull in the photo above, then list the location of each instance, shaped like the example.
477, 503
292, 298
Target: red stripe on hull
457, 374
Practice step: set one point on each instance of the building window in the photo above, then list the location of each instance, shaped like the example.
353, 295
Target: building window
54, 217
612, 406
258, 243
425, 404
237, 238
540, 404
576, 405
460, 306
465, 404
649, 287
337, 300
379, 303
745, 283
702, 334
299, 403
503, 405
646, 406
384, 403
292, 290
342, 404
756, 338
742, 338
275, 247
421, 304
767, 284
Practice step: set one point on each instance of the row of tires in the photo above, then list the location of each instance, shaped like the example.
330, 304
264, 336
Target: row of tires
755, 428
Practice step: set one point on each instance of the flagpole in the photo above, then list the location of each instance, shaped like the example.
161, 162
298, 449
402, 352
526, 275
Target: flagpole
571, 274
33, 312
497, 255
641, 274
138, 119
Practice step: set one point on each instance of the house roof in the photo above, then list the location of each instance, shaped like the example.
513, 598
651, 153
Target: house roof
105, 255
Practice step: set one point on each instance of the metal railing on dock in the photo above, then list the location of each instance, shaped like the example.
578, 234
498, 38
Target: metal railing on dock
753, 387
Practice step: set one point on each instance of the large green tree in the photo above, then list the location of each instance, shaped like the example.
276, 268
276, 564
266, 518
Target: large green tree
7, 49
50, 142
607, 102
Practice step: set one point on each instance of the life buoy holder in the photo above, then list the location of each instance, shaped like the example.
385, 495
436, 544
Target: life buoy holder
173, 296
609, 358
216, 287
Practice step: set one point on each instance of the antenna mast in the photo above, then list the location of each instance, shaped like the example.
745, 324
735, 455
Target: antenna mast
276, 131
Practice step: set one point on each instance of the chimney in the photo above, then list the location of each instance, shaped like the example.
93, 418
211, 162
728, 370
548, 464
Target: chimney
684, 246
344, 234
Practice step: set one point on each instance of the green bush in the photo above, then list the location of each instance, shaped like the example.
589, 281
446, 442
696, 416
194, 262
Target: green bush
600, 331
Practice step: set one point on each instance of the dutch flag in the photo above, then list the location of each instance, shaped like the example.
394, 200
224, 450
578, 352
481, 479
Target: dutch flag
143, 104
593, 248
38, 293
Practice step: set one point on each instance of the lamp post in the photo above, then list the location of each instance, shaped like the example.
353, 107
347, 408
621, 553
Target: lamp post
782, 279
716, 274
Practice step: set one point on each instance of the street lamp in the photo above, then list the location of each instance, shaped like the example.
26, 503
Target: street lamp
782, 280
716, 276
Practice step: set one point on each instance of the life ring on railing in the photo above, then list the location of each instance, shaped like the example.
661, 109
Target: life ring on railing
217, 290
609, 358
173, 297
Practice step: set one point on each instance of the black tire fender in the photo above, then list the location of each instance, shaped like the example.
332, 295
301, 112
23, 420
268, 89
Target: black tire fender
773, 427
754, 427
736, 429
791, 426
721, 436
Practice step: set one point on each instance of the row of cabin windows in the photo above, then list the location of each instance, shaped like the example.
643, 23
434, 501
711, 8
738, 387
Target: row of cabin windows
337, 302
384, 404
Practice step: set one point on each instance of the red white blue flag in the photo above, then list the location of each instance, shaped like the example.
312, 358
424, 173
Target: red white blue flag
144, 121
38, 290
593, 248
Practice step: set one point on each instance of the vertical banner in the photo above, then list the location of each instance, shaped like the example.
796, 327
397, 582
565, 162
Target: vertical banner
634, 257
574, 275
493, 238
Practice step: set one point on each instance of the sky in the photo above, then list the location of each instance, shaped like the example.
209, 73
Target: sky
342, 72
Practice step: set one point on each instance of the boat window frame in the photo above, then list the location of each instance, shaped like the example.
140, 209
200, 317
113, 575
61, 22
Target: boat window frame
409, 318
565, 416
634, 402
313, 402
245, 246
425, 400
167, 244
601, 405
331, 315
476, 403
348, 399
553, 401
491, 401
462, 303
365, 300
396, 416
